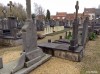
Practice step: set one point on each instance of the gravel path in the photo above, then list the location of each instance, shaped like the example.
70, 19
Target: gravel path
58, 66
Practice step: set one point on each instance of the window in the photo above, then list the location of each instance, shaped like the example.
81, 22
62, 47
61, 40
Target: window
63, 17
58, 17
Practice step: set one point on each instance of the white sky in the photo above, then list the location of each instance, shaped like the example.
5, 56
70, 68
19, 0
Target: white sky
59, 5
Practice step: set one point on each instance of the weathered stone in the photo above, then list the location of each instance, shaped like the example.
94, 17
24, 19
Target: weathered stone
33, 61
1, 63
33, 56
74, 41
68, 55
20, 64
49, 40
85, 31
60, 37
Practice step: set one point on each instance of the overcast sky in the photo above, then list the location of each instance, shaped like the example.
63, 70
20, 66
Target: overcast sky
58, 5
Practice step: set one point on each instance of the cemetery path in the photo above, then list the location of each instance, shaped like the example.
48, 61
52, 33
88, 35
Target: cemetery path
57, 66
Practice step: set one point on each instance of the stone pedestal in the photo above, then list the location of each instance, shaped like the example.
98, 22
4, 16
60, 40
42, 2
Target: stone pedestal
10, 42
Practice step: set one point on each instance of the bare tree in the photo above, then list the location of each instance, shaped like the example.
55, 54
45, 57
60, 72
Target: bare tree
38, 9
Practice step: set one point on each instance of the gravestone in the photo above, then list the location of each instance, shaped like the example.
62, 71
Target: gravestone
39, 25
9, 32
74, 41
1, 63
10, 29
85, 31
32, 55
66, 49
12, 26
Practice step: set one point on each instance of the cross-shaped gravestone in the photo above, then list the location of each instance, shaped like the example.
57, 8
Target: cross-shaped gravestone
74, 41
10, 5
77, 8
75, 24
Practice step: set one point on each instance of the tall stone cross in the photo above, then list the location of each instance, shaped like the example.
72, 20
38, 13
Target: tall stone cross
77, 8
74, 41
10, 5
76, 22
28, 9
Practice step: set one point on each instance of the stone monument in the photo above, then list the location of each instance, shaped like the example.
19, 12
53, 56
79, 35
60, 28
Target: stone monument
85, 31
32, 56
74, 41
67, 49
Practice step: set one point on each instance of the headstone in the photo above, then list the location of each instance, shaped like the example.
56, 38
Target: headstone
1, 63
32, 55
12, 25
39, 25
85, 31
64, 48
74, 41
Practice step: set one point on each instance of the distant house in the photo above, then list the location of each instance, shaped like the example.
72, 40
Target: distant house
59, 16
90, 12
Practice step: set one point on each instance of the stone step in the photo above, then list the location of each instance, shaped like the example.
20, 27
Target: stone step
29, 69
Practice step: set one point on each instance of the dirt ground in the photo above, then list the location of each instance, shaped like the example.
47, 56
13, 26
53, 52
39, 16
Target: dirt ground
89, 65
58, 66
12, 53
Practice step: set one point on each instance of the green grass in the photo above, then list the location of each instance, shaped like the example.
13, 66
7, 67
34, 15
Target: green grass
58, 32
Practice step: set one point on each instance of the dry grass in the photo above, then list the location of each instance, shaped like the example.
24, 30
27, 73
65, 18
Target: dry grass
91, 61
57, 66
10, 53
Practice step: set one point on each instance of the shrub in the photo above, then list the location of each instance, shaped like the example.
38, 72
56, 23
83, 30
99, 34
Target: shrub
92, 36
69, 37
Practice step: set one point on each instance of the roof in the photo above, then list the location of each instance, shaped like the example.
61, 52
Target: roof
61, 14
89, 10
68, 16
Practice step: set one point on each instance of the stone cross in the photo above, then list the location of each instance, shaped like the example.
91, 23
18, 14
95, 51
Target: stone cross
74, 41
77, 8
28, 9
10, 5
75, 24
